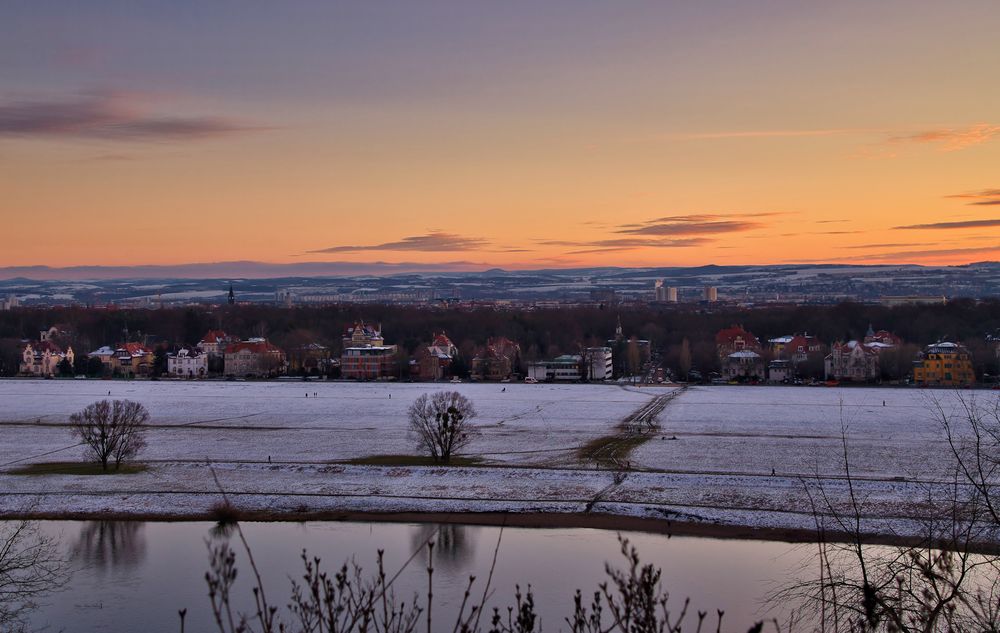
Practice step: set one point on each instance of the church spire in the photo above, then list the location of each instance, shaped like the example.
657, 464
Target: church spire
232, 297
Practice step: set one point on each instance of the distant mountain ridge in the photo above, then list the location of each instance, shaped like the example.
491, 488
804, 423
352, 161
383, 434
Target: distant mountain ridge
247, 269
321, 282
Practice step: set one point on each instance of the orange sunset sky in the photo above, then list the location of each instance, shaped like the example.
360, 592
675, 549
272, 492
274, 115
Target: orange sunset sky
512, 134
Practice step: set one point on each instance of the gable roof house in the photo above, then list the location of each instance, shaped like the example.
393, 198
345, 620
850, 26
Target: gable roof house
254, 357
42, 358
498, 360
735, 339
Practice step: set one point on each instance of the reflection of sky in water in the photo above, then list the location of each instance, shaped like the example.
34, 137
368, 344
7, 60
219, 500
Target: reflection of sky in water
159, 568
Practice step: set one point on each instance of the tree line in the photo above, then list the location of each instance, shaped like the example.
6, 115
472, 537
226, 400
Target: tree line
541, 333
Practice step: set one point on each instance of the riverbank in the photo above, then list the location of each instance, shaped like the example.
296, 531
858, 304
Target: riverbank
536, 520
725, 504
737, 460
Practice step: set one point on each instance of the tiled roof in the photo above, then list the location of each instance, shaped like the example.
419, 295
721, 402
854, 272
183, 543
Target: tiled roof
728, 335
214, 336
442, 340
256, 347
45, 346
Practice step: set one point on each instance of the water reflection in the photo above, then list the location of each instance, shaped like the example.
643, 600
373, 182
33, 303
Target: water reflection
454, 544
166, 570
30, 569
111, 545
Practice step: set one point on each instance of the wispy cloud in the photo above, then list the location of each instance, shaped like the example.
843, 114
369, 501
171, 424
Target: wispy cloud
624, 244
237, 270
945, 138
913, 256
673, 231
951, 139
965, 224
751, 134
889, 245
698, 224
110, 116
985, 197
435, 241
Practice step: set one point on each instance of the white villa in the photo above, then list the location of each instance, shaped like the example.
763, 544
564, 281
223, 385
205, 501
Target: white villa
188, 363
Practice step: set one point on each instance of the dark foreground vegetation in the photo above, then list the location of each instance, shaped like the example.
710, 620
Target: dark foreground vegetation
541, 333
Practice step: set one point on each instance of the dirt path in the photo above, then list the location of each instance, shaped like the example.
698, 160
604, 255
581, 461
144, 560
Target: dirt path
612, 451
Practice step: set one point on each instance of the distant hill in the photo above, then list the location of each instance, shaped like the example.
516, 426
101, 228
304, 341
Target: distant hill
317, 282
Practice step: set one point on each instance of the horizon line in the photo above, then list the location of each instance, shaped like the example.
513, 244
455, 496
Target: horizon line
252, 269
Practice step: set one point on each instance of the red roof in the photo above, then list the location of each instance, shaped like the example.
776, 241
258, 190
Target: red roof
45, 346
215, 336
884, 336
442, 340
501, 346
729, 335
807, 343
257, 347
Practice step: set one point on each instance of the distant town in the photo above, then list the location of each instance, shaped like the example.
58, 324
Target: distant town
819, 284
658, 343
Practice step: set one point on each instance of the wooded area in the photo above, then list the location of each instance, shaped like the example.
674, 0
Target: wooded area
541, 333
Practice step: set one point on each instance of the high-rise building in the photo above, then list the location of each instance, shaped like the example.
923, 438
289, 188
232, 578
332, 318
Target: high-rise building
9, 303
672, 294
659, 291
284, 297
598, 363
711, 294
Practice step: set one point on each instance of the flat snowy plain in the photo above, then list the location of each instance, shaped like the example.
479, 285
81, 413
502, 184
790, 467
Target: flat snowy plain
277, 451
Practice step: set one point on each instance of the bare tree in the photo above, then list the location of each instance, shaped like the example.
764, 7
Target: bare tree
947, 579
112, 430
30, 568
440, 422
973, 433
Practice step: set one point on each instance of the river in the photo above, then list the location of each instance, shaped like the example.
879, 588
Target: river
135, 576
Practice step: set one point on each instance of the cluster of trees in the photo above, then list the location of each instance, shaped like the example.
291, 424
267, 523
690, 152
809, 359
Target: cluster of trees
542, 333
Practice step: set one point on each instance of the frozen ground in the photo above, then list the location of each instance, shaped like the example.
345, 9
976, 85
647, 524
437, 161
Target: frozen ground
711, 462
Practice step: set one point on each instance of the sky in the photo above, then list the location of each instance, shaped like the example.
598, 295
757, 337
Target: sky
515, 134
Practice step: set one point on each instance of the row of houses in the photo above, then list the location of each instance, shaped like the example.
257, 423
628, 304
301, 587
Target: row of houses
364, 356
742, 358
216, 354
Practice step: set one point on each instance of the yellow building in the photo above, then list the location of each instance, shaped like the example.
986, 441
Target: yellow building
944, 365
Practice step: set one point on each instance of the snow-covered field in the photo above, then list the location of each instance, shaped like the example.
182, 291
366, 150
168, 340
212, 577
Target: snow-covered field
712, 460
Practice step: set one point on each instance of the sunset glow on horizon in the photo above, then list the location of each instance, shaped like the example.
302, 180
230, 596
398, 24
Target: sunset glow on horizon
514, 135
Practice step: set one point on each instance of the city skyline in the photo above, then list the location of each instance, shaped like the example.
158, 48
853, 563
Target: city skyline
465, 137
